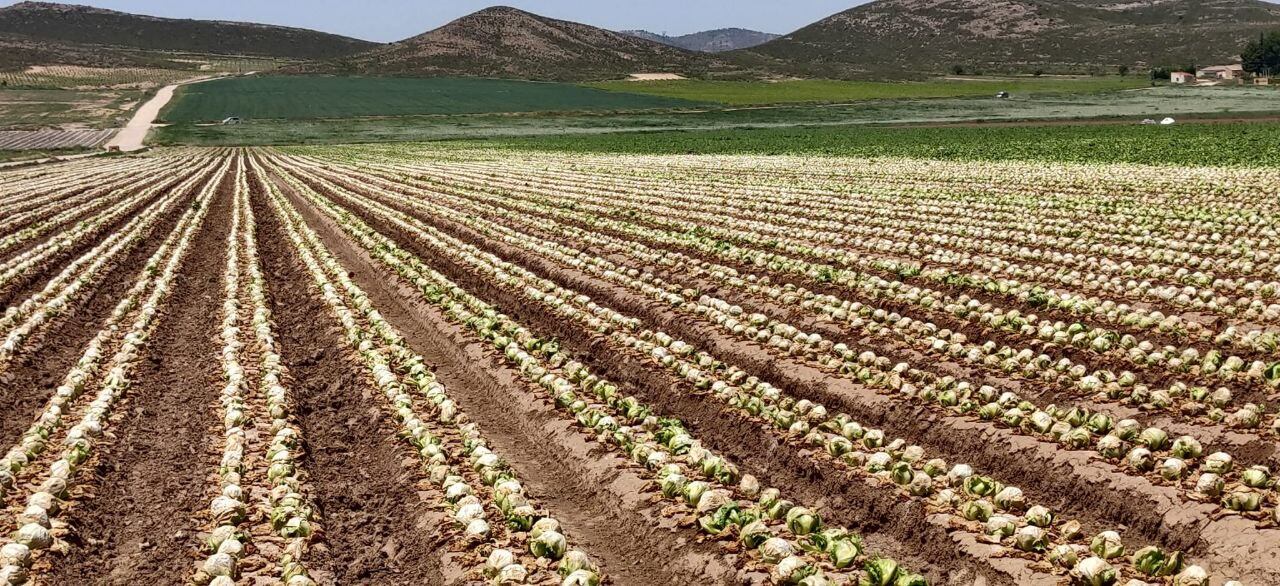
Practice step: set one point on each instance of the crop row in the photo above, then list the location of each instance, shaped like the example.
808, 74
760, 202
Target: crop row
1115, 438
679, 356
106, 365
475, 482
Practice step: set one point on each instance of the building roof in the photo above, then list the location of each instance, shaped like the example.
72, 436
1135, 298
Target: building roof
1233, 67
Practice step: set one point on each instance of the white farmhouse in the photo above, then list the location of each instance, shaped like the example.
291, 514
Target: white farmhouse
1226, 72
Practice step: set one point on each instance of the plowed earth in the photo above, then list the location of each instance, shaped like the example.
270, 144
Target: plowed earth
138, 509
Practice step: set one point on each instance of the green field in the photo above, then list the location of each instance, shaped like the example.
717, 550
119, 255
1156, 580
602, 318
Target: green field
1238, 144
1127, 106
743, 93
309, 97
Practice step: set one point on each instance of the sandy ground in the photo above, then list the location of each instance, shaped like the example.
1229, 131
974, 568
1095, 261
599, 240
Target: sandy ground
655, 77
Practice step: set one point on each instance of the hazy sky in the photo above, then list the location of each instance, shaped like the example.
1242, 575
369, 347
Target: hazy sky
392, 20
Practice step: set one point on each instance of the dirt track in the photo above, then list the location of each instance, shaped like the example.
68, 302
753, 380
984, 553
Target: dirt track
134, 134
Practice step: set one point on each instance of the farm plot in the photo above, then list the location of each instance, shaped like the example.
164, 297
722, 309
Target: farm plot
417, 365
296, 97
71, 76
18, 140
42, 109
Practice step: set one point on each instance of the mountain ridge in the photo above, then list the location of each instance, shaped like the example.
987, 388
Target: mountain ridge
77, 26
709, 41
1020, 35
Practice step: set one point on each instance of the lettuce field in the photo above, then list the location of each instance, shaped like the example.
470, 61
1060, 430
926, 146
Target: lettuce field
413, 364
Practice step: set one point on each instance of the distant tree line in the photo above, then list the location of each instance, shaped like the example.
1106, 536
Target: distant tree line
1262, 57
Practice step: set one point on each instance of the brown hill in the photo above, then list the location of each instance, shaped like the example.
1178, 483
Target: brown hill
45, 28
1020, 35
507, 42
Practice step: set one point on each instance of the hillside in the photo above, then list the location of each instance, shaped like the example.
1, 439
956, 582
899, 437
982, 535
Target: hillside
70, 28
1019, 35
715, 41
17, 53
512, 43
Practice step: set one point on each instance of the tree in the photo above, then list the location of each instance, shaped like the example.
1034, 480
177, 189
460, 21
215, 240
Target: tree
1262, 57
1123, 69
957, 69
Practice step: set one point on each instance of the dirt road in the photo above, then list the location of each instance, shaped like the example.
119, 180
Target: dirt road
131, 137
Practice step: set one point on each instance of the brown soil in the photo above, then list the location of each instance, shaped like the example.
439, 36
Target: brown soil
139, 505
782, 372
24, 285
378, 527
1149, 375
1247, 447
1094, 491
139, 526
33, 376
599, 496
894, 527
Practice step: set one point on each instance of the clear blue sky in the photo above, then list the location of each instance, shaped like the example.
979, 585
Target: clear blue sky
392, 20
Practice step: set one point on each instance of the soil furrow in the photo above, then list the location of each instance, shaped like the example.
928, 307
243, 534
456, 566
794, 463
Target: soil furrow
1247, 448
101, 203
23, 285
1140, 509
139, 524
1244, 445
1156, 513
600, 497
379, 527
954, 290
889, 525
33, 376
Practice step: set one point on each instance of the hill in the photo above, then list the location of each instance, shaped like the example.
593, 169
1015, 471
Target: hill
1019, 35
17, 53
715, 41
511, 43
69, 29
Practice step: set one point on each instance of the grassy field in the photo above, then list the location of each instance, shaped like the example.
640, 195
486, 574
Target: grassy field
309, 97
742, 93
1234, 144
1125, 106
